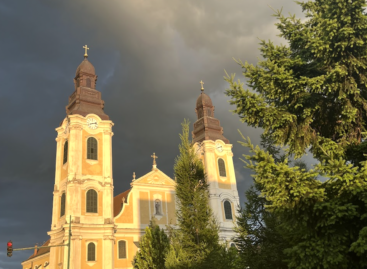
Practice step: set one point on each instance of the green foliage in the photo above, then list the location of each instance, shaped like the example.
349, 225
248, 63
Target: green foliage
324, 223
154, 246
259, 232
198, 231
314, 87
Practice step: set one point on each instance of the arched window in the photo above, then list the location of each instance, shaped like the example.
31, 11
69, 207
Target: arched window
91, 252
92, 148
122, 249
65, 152
62, 208
92, 201
222, 168
88, 82
227, 210
158, 210
233, 245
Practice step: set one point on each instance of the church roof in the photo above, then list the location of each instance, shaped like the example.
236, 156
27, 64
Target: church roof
118, 202
41, 251
203, 100
85, 67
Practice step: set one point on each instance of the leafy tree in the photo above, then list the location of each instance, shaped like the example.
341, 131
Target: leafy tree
313, 93
314, 87
198, 230
154, 246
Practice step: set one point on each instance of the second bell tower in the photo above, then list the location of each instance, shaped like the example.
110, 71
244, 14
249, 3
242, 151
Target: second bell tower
216, 153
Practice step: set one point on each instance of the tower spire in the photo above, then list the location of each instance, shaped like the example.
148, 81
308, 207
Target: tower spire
207, 127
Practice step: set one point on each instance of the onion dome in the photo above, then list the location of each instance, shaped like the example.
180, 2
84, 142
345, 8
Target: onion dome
86, 99
207, 127
85, 67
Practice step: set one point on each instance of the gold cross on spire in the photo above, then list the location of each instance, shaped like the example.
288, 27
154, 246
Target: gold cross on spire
202, 88
86, 51
154, 157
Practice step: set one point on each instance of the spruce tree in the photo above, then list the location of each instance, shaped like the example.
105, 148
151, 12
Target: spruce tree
154, 246
198, 230
313, 93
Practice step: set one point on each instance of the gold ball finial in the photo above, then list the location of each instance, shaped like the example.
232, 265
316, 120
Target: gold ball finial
202, 83
86, 51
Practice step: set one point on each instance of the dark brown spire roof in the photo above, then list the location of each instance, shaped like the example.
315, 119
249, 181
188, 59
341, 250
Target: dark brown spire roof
206, 127
85, 67
86, 99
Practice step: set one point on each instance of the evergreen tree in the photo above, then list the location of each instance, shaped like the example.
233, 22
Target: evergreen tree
197, 236
313, 93
259, 232
316, 86
154, 246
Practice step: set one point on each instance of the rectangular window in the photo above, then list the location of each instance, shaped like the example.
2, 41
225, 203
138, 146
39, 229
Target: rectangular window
122, 249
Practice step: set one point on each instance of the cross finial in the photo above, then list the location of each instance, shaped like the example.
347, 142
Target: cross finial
86, 51
154, 157
202, 88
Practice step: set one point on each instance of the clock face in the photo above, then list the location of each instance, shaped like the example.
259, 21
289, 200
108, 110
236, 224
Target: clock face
92, 123
219, 147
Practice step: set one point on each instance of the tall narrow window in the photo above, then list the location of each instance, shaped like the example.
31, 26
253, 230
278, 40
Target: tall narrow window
92, 148
227, 210
62, 208
122, 249
65, 152
92, 201
91, 252
222, 168
88, 83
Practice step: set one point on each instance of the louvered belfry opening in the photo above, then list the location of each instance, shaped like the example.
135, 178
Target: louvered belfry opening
228, 210
92, 201
92, 150
222, 168
65, 152
91, 252
122, 249
62, 209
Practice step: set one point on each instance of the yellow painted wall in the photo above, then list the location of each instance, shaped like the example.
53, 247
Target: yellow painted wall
99, 251
95, 169
131, 251
100, 202
127, 211
64, 170
144, 207
37, 261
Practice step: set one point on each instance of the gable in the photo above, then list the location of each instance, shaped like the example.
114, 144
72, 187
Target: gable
156, 177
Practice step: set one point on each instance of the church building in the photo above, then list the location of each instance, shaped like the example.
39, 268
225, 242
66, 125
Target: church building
106, 228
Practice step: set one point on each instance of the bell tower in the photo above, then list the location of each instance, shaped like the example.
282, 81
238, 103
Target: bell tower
215, 151
83, 179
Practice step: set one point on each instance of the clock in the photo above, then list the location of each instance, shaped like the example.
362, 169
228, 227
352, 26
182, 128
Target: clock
219, 147
92, 123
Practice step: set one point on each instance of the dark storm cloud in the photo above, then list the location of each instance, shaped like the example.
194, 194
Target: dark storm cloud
149, 57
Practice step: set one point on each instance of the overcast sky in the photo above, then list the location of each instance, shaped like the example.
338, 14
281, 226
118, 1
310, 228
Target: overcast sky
149, 57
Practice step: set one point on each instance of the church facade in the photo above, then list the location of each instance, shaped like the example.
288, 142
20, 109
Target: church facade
106, 229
